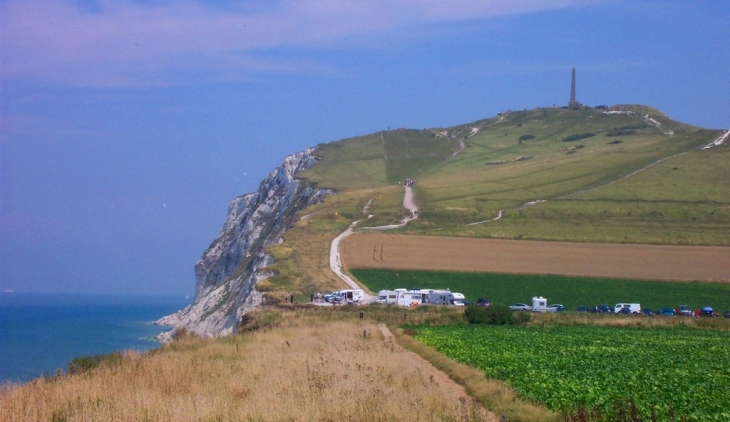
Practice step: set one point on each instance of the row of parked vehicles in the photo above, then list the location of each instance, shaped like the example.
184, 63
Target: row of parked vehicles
682, 310
342, 297
416, 296
539, 304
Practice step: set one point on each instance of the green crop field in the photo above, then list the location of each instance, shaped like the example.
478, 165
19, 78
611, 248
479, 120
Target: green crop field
570, 291
666, 373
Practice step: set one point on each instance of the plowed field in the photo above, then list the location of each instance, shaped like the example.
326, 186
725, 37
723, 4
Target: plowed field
644, 262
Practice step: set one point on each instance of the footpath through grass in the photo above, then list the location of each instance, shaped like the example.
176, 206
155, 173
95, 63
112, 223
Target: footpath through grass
659, 374
570, 291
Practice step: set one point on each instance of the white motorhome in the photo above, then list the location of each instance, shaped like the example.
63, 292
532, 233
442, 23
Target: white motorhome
409, 297
388, 297
352, 295
634, 308
539, 304
457, 299
439, 297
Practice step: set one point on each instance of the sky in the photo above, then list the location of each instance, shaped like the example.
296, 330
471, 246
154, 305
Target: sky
127, 126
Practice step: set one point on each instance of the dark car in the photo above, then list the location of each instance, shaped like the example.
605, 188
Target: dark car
726, 314
467, 302
581, 309
647, 311
707, 311
665, 311
484, 302
624, 311
604, 309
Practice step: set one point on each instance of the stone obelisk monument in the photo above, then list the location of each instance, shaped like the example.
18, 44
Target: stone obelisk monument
573, 103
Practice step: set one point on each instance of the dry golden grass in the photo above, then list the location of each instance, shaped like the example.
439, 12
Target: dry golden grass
648, 262
299, 371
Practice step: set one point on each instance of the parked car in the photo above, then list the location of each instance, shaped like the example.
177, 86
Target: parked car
520, 307
634, 308
707, 311
726, 314
647, 311
581, 309
665, 311
604, 308
467, 302
684, 310
331, 296
624, 311
484, 302
556, 308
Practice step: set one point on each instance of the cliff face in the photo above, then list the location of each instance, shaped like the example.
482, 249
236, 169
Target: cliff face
227, 273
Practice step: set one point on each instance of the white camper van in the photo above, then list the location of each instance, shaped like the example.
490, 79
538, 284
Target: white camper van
457, 299
539, 304
352, 295
409, 298
634, 308
388, 297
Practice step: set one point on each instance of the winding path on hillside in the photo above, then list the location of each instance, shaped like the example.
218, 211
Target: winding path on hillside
567, 195
408, 203
335, 256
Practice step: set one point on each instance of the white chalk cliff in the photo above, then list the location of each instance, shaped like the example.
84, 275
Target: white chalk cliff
227, 273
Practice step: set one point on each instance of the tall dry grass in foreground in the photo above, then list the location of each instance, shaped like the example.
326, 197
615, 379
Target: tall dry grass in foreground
300, 371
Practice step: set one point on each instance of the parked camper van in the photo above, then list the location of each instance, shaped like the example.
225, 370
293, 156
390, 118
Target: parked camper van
352, 295
457, 299
539, 304
634, 308
439, 297
409, 298
388, 297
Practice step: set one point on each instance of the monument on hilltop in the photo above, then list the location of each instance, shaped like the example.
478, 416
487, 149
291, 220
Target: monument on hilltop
573, 104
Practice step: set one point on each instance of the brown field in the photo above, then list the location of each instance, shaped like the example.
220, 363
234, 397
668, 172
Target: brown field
435, 253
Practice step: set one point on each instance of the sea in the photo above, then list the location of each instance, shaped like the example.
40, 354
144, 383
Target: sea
40, 333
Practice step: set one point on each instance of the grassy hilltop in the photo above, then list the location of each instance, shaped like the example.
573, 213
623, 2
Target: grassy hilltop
576, 161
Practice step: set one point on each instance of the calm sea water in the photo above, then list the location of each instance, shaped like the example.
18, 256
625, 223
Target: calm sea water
42, 332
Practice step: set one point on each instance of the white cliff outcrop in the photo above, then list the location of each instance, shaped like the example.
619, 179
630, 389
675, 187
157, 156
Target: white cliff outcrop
227, 273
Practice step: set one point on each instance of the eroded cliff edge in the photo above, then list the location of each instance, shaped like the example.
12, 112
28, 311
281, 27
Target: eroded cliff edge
227, 273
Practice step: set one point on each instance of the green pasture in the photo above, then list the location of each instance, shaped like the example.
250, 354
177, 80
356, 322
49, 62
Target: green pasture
682, 196
666, 373
572, 292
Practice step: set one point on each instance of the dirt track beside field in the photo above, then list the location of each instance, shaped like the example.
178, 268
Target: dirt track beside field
644, 262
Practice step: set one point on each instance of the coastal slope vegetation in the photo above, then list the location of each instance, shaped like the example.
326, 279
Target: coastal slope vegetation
641, 178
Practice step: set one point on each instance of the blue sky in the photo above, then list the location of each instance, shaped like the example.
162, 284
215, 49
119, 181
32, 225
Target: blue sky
127, 126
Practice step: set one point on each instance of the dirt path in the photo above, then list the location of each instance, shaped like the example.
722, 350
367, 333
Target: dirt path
449, 385
336, 260
335, 246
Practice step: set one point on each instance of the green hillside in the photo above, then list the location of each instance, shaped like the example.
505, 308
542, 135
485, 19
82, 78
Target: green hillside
577, 161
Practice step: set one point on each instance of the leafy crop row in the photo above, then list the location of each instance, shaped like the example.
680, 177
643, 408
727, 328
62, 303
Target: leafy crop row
572, 292
665, 372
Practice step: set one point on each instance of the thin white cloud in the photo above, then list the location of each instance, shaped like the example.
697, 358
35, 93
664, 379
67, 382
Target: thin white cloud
125, 43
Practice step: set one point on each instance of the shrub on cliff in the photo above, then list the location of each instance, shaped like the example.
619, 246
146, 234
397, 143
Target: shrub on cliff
86, 363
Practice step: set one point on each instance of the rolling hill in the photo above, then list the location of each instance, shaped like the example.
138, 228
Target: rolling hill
624, 174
